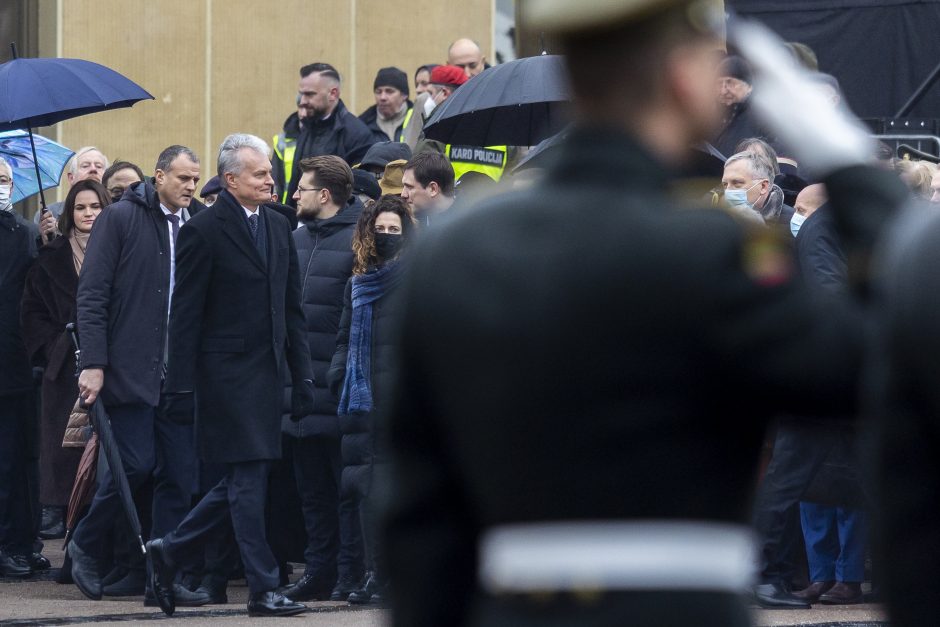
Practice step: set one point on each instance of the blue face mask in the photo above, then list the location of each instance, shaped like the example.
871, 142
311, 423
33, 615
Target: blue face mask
737, 198
796, 222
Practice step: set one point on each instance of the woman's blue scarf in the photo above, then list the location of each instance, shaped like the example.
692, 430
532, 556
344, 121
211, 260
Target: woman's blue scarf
367, 288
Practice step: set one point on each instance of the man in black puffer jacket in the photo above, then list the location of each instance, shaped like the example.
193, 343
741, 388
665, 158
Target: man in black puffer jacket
328, 212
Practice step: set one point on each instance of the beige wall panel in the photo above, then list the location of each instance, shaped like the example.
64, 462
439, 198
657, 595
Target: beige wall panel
159, 45
412, 35
257, 50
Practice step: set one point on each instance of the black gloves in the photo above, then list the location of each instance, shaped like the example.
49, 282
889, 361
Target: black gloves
301, 400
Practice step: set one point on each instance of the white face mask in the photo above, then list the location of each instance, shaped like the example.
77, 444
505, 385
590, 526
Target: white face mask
738, 197
429, 105
796, 222
5, 192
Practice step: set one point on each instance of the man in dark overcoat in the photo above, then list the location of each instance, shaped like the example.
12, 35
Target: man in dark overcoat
123, 302
236, 328
587, 368
18, 248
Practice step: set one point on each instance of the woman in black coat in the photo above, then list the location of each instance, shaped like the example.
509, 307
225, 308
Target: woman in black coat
361, 372
48, 305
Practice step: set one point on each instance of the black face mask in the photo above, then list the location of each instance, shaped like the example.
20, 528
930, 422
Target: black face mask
387, 246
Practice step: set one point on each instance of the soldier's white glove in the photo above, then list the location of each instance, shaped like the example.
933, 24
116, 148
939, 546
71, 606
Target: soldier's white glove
822, 137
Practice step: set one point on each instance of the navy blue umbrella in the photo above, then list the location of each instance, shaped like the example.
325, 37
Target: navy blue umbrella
519, 103
42, 92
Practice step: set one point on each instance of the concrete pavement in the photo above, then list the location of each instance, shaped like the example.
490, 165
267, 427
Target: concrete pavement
41, 601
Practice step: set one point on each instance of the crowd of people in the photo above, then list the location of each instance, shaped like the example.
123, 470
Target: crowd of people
244, 344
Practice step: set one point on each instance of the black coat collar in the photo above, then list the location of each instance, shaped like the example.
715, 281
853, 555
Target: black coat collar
235, 226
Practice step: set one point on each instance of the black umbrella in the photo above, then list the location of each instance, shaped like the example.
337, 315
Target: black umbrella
108, 447
519, 103
41, 92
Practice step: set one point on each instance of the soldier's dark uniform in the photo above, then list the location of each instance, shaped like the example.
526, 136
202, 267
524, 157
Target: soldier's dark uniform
588, 357
592, 351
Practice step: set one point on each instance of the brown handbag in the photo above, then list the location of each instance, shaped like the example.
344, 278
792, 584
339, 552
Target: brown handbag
78, 431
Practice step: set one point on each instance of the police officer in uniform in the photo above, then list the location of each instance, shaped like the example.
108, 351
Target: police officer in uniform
587, 368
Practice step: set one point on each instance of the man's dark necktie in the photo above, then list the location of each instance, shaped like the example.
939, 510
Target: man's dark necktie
174, 225
253, 227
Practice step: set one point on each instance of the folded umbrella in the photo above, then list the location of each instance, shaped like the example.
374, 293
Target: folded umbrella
51, 158
112, 455
107, 446
42, 92
519, 103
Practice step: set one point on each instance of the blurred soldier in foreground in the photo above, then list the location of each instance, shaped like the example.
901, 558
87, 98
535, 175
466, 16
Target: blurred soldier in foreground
583, 400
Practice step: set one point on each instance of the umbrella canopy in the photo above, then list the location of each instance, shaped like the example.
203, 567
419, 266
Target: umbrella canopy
41, 92
51, 159
519, 103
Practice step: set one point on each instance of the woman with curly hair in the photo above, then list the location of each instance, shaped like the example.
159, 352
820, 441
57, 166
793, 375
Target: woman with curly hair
361, 371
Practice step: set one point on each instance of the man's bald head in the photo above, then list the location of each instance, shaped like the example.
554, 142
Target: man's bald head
810, 199
467, 55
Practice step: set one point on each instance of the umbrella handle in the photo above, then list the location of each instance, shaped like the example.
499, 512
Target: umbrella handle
70, 328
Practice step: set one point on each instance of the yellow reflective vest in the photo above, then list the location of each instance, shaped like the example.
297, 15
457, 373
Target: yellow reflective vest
489, 160
404, 125
284, 148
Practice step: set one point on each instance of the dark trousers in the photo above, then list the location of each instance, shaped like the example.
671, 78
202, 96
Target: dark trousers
799, 451
133, 432
238, 502
150, 444
334, 543
17, 474
835, 542
174, 473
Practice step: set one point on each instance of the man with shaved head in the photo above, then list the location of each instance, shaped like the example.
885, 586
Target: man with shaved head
468, 56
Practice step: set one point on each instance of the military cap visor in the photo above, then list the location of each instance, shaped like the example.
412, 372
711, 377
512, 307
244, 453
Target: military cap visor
565, 16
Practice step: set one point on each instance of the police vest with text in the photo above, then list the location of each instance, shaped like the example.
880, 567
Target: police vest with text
490, 160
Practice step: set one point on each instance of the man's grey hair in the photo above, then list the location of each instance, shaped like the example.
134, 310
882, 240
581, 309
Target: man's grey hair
229, 161
169, 155
5, 166
73, 164
759, 166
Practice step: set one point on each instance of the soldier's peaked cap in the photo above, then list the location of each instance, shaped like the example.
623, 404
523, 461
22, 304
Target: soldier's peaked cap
567, 16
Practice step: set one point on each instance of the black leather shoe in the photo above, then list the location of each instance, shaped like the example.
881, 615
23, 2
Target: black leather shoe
130, 585
182, 597
273, 603
12, 567
162, 577
215, 589
363, 595
778, 596
811, 593
53, 523
85, 573
346, 585
843, 593
308, 588
116, 574
38, 562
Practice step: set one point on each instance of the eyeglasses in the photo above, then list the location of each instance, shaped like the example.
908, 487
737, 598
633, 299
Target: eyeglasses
309, 189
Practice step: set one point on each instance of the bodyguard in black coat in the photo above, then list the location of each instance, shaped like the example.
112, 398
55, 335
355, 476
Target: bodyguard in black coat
341, 134
123, 303
236, 329
583, 396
